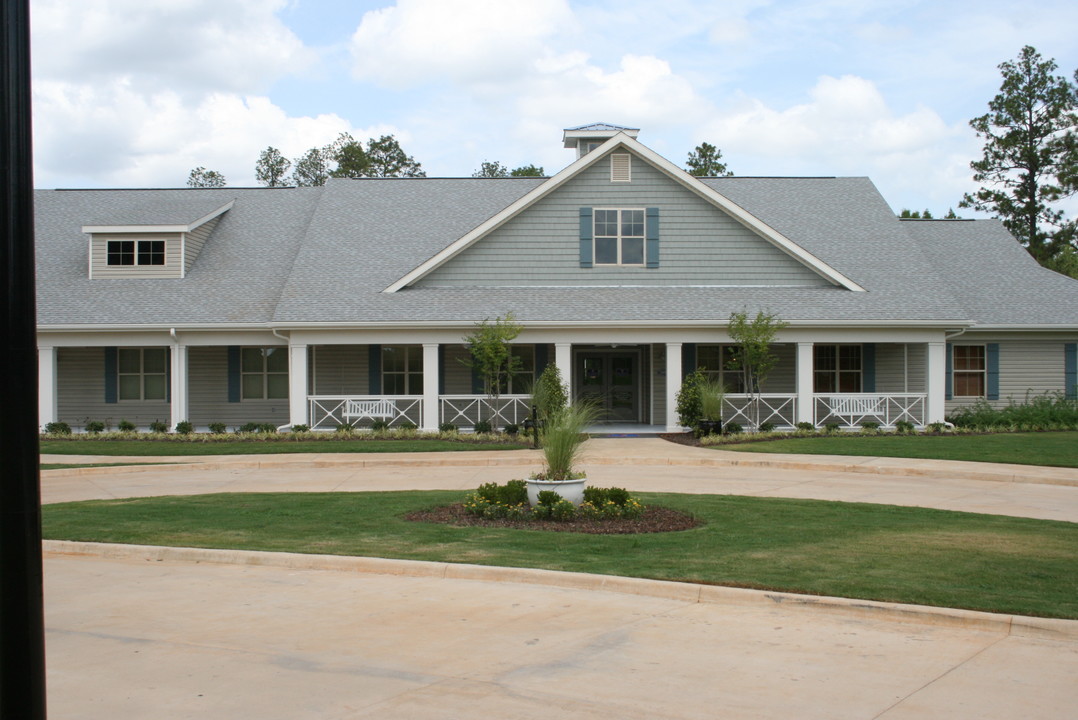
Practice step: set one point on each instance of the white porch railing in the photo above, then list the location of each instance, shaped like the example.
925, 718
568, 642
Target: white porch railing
852, 409
326, 412
779, 410
467, 410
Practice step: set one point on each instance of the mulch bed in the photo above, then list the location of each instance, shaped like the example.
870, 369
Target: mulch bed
654, 520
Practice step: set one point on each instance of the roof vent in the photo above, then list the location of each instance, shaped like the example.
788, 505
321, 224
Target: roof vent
621, 167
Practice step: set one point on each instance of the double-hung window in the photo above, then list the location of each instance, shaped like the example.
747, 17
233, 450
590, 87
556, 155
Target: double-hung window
264, 373
968, 368
619, 236
715, 361
136, 252
402, 369
141, 373
837, 368
519, 382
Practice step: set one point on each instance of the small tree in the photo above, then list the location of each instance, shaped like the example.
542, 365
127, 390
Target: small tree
706, 161
753, 357
491, 169
491, 355
549, 395
272, 168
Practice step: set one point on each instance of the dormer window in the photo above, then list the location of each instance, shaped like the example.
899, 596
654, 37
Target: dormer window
136, 252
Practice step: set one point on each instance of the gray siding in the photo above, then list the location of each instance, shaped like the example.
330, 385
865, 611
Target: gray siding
208, 393
783, 377
1027, 368
892, 375
699, 244
659, 380
194, 241
171, 269
340, 369
80, 387
458, 376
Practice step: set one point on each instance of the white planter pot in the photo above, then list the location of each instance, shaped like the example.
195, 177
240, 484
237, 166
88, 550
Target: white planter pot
571, 490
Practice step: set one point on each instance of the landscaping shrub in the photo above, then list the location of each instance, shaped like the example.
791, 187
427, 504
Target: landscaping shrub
345, 428
217, 428
379, 425
563, 510
482, 426
1051, 411
548, 394
301, 428
248, 428
870, 426
548, 497
832, 427
58, 428
937, 427
806, 427
689, 407
447, 427
126, 426
267, 428
732, 429
95, 426
158, 427
904, 427
408, 427
766, 427
491, 500
512, 429
184, 427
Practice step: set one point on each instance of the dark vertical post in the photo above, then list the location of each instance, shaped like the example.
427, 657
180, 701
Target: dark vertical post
22, 628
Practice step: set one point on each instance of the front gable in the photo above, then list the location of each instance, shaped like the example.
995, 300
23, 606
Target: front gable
693, 235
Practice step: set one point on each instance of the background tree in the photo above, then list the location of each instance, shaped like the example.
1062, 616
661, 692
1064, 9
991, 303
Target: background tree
387, 159
491, 169
527, 171
351, 159
752, 356
272, 168
706, 161
200, 177
1028, 156
311, 169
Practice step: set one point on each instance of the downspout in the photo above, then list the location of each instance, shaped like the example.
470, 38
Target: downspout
947, 338
287, 349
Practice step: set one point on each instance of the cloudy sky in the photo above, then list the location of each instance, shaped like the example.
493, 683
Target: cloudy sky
135, 93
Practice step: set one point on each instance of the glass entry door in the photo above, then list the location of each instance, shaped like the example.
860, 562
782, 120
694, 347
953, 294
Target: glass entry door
611, 381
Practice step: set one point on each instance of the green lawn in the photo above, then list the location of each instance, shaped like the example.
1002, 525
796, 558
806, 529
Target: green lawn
260, 447
879, 552
1059, 449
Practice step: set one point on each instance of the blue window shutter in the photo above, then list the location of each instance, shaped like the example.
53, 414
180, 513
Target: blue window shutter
542, 359
1070, 370
991, 357
868, 367
168, 375
233, 374
374, 369
112, 377
585, 237
948, 383
441, 369
688, 359
653, 237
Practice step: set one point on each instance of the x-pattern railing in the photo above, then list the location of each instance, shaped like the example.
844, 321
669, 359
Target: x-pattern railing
852, 409
780, 410
467, 410
326, 412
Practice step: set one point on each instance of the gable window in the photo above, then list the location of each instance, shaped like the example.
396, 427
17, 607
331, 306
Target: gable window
136, 252
968, 368
715, 360
619, 237
141, 373
837, 368
264, 373
402, 369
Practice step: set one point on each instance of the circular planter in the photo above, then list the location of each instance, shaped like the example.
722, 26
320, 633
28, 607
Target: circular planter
571, 490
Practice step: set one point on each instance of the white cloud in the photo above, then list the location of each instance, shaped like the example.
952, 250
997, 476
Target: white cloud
466, 41
196, 45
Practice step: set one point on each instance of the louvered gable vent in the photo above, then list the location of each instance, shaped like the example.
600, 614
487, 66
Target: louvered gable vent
621, 167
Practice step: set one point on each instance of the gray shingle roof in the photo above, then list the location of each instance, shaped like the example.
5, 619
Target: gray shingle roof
324, 255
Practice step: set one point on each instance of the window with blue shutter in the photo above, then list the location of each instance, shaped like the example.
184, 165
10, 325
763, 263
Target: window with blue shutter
111, 374
948, 382
653, 237
1070, 370
234, 375
585, 238
992, 364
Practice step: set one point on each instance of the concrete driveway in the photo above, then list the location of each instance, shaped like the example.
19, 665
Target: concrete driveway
173, 633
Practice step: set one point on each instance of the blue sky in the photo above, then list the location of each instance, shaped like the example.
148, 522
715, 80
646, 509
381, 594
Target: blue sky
135, 93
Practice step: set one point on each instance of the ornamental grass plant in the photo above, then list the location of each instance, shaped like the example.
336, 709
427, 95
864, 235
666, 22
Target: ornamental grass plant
563, 438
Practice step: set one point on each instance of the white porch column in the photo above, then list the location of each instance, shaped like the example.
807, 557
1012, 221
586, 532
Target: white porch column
805, 401
673, 385
563, 358
935, 382
178, 384
431, 371
297, 385
48, 409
